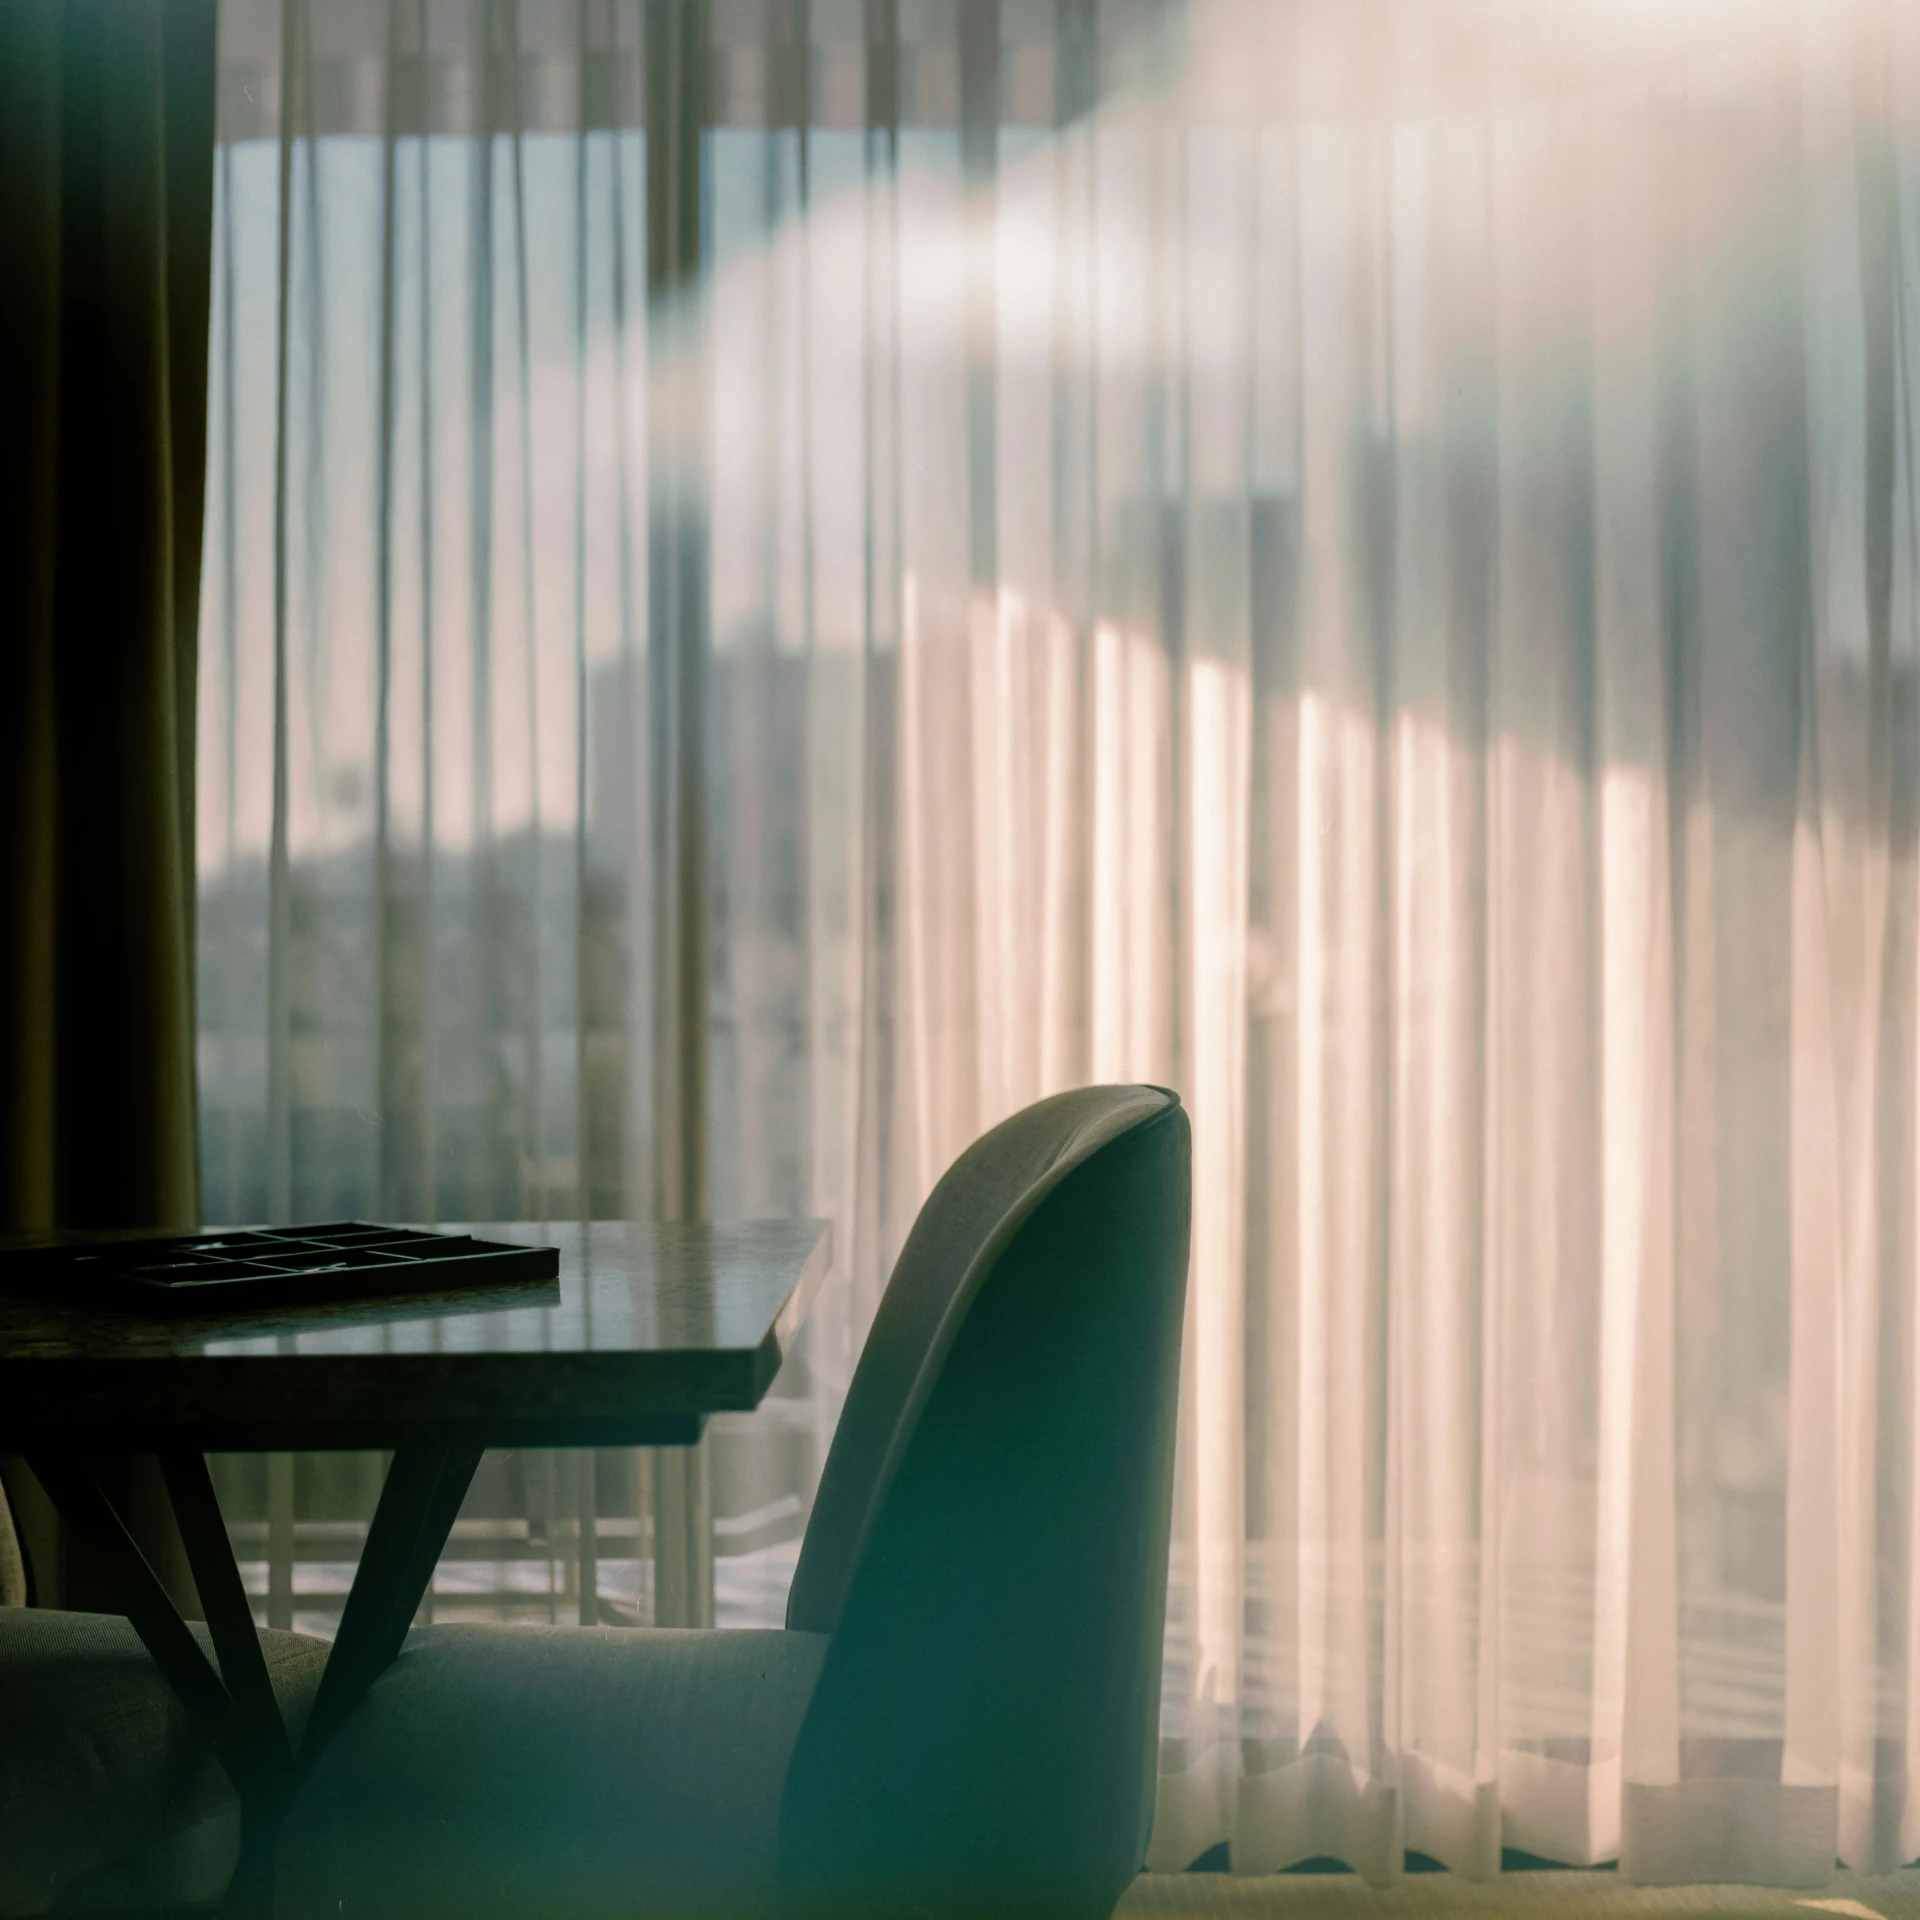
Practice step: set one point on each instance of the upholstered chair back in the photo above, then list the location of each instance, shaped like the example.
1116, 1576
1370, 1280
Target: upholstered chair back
988, 1549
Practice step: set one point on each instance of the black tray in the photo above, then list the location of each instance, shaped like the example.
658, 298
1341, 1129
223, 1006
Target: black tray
244, 1269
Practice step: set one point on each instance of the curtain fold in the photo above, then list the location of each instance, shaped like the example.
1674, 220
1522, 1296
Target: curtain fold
109, 123
1354, 560
106, 193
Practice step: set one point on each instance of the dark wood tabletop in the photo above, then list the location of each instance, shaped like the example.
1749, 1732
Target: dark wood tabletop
651, 1328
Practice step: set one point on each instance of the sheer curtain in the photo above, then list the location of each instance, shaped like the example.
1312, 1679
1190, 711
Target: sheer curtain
784, 578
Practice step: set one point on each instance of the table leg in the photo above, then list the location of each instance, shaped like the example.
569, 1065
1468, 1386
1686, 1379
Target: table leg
74, 1489
216, 1574
417, 1509
418, 1505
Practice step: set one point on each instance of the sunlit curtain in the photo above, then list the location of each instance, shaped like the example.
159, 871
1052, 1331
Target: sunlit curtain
784, 578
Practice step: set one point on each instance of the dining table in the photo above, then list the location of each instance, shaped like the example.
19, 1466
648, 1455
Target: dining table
648, 1330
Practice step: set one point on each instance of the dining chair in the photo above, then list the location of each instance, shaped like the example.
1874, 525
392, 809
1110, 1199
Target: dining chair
960, 1716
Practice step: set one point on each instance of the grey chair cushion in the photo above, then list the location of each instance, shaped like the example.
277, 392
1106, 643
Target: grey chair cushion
525, 1771
107, 1793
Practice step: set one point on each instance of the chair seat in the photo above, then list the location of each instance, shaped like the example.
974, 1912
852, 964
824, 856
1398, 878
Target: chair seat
108, 1795
555, 1770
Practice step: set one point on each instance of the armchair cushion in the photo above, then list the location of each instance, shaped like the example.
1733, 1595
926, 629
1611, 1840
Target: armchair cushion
496, 1771
107, 1792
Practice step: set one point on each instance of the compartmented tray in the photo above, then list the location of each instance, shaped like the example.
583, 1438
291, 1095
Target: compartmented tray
244, 1270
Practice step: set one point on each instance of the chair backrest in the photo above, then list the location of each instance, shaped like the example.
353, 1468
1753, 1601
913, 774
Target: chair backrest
989, 1544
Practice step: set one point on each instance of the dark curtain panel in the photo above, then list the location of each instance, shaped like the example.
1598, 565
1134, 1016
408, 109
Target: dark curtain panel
106, 187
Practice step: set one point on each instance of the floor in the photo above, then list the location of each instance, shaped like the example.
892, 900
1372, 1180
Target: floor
1523, 1896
